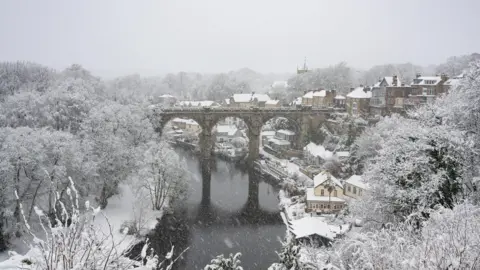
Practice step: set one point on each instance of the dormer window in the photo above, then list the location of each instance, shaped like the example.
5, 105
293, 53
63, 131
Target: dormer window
430, 81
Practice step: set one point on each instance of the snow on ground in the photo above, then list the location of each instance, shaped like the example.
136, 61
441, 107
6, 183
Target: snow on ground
122, 207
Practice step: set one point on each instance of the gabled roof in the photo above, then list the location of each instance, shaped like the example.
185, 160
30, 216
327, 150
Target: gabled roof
321, 93
308, 226
250, 97
272, 101
230, 130
325, 176
360, 93
286, 132
423, 79
309, 94
356, 180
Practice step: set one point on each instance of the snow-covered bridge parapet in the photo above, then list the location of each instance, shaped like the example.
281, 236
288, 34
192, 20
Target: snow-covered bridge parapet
254, 118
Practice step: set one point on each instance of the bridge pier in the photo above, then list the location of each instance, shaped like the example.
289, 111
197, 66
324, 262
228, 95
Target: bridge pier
254, 130
206, 161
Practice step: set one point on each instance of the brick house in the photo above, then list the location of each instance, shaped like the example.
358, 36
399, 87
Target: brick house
358, 101
425, 89
378, 102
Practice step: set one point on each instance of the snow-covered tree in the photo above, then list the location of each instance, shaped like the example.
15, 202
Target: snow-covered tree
162, 175
222, 263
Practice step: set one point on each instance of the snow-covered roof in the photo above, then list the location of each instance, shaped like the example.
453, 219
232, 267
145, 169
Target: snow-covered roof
272, 102
286, 132
356, 180
278, 141
321, 93
309, 94
312, 197
360, 93
324, 176
186, 121
250, 97
432, 80
200, 103
389, 81
308, 226
339, 97
268, 133
227, 129
455, 80
167, 96
342, 154
227, 101
280, 84
318, 151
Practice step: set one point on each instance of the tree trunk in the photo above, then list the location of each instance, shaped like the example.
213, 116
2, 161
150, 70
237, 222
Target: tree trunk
3, 242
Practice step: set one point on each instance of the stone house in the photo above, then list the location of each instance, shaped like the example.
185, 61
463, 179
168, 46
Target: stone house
358, 101
188, 125
314, 154
354, 187
396, 96
425, 89
319, 98
248, 100
273, 103
378, 102
339, 101
326, 196
225, 133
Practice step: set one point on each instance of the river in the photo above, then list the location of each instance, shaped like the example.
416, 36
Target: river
235, 220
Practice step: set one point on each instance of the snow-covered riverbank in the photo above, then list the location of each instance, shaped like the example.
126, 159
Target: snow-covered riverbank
121, 208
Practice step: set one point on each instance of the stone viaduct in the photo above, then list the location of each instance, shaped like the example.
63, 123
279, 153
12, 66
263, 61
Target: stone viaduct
254, 118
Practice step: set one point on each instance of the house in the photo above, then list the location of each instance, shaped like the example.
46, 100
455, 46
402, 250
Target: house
202, 103
273, 103
339, 101
278, 144
225, 133
453, 82
354, 187
318, 98
284, 134
378, 101
311, 228
425, 89
248, 100
326, 195
358, 101
396, 96
316, 154
188, 125
266, 135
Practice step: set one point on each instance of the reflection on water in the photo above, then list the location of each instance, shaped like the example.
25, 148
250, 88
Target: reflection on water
242, 216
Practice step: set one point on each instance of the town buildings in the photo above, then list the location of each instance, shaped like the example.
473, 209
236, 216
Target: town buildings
354, 187
358, 101
319, 98
248, 100
225, 133
326, 196
424, 89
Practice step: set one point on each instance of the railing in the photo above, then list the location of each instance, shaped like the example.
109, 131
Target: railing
239, 109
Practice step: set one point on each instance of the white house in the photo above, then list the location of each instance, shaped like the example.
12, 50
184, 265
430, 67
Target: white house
326, 196
225, 133
354, 187
285, 134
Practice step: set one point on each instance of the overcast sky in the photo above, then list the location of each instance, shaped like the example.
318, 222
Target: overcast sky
119, 37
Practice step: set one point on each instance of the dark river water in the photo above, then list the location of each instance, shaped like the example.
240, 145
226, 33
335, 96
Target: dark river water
242, 216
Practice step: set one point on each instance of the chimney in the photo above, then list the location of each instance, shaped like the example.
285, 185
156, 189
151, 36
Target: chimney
419, 75
351, 88
365, 89
444, 77
395, 81
305, 92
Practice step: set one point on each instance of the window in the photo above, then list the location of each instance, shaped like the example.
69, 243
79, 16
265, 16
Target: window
328, 206
354, 190
348, 188
321, 192
429, 81
428, 91
335, 193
